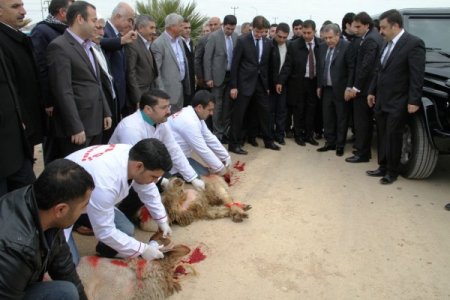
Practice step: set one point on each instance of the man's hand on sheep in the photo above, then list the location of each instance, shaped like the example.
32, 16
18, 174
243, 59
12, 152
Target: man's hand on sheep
152, 251
165, 228
228, 162
198, 184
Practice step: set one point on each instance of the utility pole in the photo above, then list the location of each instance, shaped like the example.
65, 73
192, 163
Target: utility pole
234, 9
44, 8
275, 20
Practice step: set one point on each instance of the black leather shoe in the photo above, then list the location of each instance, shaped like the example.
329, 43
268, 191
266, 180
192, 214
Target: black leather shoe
326, 148
388, 179
447, 206
339, 151
300, 141
356, 159
253, 142
376, 173
224, 140
312, 141
237, 150
280, 141
272, 146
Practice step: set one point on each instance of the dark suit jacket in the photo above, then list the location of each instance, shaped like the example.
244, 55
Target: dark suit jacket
274, 66
190, 55
141, 69
79, 100
13, 150
400, 81
42, 35
294, 69
19, 58
115, 55
198, 57
366, 57
339, 68
245, 69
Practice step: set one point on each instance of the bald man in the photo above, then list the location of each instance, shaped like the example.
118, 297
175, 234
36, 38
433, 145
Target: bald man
118, 32
214, 23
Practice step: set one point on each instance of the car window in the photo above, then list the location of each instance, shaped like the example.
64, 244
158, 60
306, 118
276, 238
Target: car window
433, 31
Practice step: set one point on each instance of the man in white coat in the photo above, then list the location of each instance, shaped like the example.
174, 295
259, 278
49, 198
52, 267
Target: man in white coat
171, 61
192, 134
116, 168
149, 121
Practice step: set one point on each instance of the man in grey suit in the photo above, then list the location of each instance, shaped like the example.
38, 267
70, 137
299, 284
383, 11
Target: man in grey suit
141, 65
172, 63
217, 65
81, 111
332, 79
214, 24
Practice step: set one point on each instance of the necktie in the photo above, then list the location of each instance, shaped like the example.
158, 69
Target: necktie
326, 73
229, 52
387, 53
87, 47
311, 61
257, 51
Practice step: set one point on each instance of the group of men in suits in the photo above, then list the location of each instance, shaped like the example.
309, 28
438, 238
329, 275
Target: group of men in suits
99, 71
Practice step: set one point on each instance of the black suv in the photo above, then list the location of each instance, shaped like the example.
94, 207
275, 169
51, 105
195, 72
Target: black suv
428, 132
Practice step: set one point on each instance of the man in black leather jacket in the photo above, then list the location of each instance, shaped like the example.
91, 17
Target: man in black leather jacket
31, 238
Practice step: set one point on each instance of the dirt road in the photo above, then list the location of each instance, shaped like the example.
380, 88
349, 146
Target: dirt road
321, 229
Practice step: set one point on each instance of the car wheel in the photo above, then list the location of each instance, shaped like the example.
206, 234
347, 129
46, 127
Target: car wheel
419, 156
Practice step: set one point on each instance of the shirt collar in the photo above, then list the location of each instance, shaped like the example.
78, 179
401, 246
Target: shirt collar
397, 37
113, 27
146, 42
147, 119
171, 39
76, 37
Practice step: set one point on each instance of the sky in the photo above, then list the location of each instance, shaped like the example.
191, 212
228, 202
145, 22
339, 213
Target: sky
274, 10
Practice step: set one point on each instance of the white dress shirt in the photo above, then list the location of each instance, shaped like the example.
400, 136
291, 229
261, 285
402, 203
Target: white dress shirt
192, 134
108, 165
134, 128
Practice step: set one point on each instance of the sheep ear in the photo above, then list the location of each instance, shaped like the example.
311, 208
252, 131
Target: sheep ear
177, 252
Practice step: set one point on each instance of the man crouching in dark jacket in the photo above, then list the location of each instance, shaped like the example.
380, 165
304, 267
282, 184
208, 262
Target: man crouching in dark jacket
31, 237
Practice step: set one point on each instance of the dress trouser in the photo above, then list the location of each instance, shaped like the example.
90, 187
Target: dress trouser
278, 113
363, 122
335, 118
390, 127
221, 116
305, 110
258, 105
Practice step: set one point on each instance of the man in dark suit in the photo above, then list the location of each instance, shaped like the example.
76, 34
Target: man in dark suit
361, 76
118, 32
300, 70
217, 65
250, 86
189, 50
332, 77
81, 111
278, 107
141, 65
42, 34
395, 91
20, 64
14, 152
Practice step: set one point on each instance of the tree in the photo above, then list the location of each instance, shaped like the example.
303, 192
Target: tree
159, 9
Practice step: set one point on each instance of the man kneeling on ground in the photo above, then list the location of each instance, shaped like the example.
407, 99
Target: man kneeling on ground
192, 134
32, 241
115, 169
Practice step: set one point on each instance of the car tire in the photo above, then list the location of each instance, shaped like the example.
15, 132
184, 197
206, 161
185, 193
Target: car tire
419, 156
